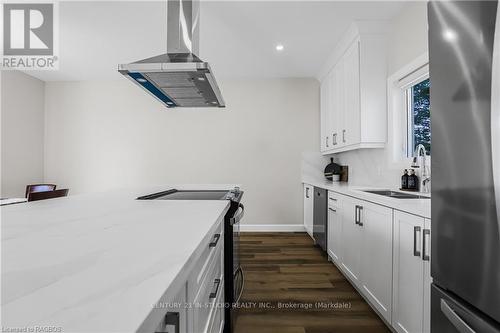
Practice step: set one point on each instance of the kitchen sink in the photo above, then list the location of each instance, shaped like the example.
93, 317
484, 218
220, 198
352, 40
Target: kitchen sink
397, 195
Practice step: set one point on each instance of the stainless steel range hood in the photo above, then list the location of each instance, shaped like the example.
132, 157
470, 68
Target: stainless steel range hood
178, 78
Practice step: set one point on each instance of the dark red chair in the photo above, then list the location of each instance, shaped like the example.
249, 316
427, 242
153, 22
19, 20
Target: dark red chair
35, 196
39, 188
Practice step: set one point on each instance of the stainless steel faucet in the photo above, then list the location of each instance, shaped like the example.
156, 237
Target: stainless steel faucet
425, 177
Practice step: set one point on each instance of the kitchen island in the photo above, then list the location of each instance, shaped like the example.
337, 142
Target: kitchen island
100, 262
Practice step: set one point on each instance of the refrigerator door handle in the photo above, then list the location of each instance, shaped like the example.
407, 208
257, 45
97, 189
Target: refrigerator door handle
455, 319
495, 115
425, 252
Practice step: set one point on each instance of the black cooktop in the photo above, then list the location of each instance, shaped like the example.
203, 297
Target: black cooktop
187, 195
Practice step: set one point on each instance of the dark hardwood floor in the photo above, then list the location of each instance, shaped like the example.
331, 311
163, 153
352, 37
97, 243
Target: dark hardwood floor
286, 269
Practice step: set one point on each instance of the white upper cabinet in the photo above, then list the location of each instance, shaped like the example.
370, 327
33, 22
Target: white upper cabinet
353, 91
326, 139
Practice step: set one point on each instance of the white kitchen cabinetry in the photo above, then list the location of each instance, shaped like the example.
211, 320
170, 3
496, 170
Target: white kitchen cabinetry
325, 115
351, 240
353, 92
366, 255
334, 241
376, 256
411, 273
201, 291
351, 121
308, 208
177, 314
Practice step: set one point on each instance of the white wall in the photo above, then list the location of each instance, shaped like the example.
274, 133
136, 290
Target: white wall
104, 135
407, 41
22, 124
408, 38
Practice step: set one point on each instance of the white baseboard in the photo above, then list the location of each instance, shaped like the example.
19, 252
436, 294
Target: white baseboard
272, 228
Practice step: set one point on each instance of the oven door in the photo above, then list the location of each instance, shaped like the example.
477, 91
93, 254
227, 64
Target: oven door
237, 271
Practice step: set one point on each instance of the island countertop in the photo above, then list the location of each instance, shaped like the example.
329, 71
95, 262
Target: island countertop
97, 262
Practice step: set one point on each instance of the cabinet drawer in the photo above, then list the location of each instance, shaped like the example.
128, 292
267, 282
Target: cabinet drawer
205, 262
333, 200
211, 287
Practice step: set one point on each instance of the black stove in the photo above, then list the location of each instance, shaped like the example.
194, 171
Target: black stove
188, 195
233, 274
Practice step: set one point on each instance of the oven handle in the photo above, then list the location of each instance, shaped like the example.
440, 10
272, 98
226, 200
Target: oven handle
237, 216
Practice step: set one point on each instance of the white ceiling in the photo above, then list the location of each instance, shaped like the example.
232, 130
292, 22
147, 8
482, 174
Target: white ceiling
237, 38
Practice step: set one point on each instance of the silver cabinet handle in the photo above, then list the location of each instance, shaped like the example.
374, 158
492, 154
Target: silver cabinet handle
213, 294
343, 136
356, 214
333, 210
171, 319
360, 209
454, 318
215, 241
415, 231
326, 141
332, 199
425, 254
334, 139
307, 192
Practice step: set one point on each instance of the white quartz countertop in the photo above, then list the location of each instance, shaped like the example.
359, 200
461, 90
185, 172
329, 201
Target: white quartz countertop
97, 263
420, 207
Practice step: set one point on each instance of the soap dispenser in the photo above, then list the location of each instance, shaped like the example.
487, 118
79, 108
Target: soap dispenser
413, 181
404, 180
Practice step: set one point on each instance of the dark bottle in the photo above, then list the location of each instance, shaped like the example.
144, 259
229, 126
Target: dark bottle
413, 181
404, 180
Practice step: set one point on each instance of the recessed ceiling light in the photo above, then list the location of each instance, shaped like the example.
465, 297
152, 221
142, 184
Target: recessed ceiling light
279, 47
141, 80
201, 78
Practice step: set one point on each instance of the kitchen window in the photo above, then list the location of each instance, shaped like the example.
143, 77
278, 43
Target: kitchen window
409, 122
418, 115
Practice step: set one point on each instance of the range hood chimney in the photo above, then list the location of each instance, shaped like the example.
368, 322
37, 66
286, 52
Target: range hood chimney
178, 78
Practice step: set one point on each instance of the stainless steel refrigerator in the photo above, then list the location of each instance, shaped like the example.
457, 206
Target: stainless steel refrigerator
464, 60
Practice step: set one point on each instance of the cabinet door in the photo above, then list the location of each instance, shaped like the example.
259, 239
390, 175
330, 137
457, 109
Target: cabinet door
408, 273
334, 227
308, 208
336, 105
324, 114
351, 132
176, 314
376, 256
351, 242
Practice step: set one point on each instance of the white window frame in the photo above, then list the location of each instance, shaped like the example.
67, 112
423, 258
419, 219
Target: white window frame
406, 85
398, 109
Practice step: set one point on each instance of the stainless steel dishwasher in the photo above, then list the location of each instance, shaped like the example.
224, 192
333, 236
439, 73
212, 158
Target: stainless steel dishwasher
320, 217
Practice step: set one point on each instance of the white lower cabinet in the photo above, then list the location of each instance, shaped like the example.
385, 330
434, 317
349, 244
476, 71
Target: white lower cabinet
385, 254
334, 241
411, 273
176, 319
200, 299
376, 256
351, 240
308, 208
